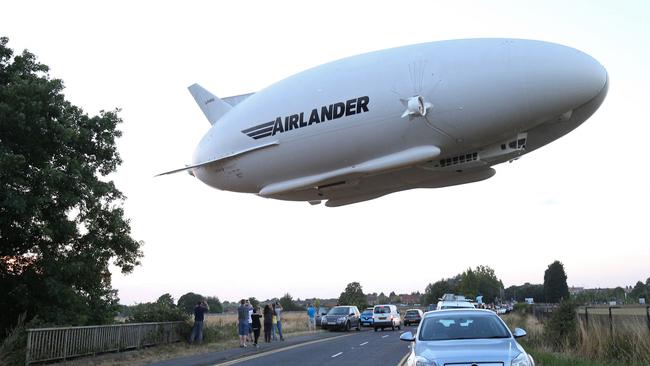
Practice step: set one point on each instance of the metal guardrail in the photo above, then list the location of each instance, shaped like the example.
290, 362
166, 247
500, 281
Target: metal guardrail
49, 344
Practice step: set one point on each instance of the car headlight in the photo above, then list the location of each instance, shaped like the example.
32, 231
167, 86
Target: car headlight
521, 360
421, 361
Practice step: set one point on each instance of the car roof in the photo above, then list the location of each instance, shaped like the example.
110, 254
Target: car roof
468, 311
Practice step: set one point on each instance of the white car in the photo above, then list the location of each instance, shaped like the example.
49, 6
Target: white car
465, 337
451, 301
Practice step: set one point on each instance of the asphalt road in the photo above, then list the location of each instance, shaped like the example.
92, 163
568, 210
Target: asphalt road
354, 348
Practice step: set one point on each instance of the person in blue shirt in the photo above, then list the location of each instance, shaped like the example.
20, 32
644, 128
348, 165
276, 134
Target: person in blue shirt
199, 313
311, 313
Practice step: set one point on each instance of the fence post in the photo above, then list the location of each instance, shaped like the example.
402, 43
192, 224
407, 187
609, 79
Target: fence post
65, 344
29, 346
587, 317
611, 325
119, 338
647, 314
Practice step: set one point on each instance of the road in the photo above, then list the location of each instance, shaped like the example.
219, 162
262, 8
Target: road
354, 348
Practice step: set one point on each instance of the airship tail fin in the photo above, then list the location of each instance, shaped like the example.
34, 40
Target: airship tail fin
213, 107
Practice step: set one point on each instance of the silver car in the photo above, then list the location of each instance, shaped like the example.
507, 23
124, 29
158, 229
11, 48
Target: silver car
464, 338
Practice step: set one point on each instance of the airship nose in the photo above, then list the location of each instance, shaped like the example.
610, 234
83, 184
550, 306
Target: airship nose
589, 76
559, 78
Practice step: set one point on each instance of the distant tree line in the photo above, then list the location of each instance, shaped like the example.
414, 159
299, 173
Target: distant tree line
481, 281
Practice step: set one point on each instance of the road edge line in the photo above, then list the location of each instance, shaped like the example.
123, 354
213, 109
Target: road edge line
270, 352
403, 360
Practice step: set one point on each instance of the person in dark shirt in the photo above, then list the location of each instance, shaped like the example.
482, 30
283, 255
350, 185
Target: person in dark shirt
199, 313
268, 323
257, 324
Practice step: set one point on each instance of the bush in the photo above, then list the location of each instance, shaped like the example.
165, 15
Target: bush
12, 348
522, 308
561, 331
155, 312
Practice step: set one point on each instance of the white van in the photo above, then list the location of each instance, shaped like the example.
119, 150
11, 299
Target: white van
451, 301
386, 316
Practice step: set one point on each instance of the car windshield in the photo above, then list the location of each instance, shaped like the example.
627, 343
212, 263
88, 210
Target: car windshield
367, 312
412, 313
339, 310
462, 326
382, 310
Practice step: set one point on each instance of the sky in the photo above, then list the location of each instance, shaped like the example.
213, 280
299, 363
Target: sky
583, 199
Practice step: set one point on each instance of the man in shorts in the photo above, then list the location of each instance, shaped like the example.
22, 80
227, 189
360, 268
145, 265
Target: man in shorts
242, 322
311, 315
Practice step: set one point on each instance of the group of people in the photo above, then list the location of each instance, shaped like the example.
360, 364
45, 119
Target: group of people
250, 319
249, 322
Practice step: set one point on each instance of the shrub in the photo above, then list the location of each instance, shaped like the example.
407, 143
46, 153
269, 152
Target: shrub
522, 308
561, 329
156, 312
12, 348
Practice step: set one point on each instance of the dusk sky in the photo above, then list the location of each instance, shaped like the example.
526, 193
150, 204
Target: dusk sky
583, 199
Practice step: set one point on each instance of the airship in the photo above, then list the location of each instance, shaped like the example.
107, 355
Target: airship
428, 115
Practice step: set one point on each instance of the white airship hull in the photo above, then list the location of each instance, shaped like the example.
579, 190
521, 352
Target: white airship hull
422, 116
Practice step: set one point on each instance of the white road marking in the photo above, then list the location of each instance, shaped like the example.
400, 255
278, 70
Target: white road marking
385, 336
262, 354
337, 355
363, 344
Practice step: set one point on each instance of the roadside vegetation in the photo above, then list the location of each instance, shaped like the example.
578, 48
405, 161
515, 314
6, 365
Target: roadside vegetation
565, 339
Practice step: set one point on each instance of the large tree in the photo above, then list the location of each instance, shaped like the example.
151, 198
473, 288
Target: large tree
434, 291
555, 286
61, 220
353, 295
188, 301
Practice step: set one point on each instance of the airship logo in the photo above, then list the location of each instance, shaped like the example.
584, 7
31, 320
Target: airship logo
325, 113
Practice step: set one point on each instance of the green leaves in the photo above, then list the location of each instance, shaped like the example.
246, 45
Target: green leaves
353, 295
60, 223
555, 286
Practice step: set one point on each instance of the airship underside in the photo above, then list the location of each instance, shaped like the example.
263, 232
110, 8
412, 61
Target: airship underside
423, 116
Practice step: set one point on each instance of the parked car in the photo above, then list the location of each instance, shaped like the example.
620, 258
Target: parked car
386, 316
451, 301
465, 337
319, 314
366, 317
412, 316
342, 317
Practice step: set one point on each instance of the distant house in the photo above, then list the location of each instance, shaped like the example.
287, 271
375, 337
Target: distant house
371, 299
410, 299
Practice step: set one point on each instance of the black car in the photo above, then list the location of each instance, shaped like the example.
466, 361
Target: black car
342, 317
412, 316
319, 315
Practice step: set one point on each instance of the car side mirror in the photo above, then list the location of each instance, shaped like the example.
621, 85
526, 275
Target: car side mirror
518, 333
351, 314
323, 313
407, 337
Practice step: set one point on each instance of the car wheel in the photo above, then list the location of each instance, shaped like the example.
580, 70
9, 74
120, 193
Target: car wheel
399, 327
406, 324
347, 326
392, 328
375, 329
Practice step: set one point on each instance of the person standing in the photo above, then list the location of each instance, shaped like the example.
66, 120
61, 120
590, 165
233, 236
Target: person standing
199, 313
268, 322
250, 321
242, 322
257, 324
311, 314
274, 331
278, 315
